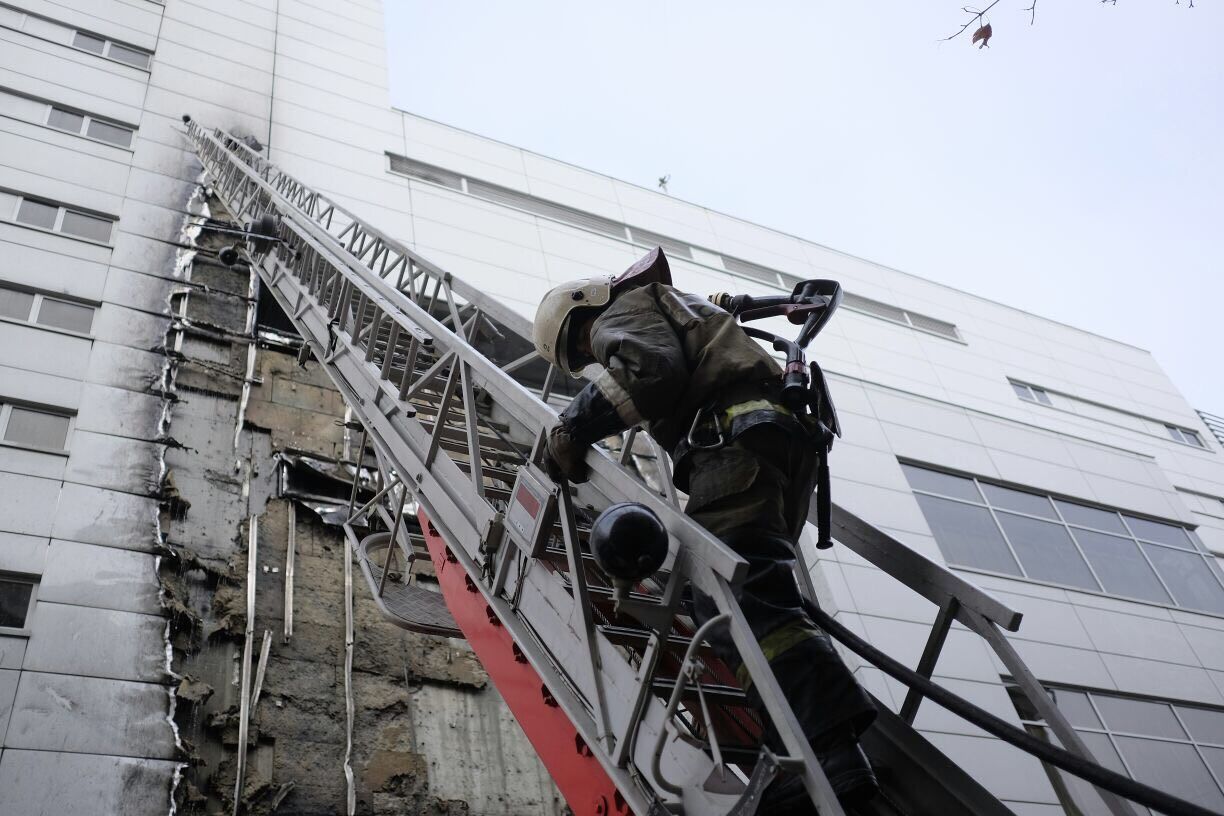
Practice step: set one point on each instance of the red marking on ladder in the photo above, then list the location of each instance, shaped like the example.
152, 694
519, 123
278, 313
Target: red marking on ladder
587, 788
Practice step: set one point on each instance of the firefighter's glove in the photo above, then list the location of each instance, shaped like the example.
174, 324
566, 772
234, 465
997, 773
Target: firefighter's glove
564, 455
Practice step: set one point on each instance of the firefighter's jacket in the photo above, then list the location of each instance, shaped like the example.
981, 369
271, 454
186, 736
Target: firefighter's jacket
666, 355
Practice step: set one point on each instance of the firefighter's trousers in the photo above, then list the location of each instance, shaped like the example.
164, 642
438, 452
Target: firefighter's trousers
739, 493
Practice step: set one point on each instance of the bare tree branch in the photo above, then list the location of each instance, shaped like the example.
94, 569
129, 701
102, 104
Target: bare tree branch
1033, 10
977, 16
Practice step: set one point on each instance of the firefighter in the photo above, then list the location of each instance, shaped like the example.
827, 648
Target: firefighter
683, 369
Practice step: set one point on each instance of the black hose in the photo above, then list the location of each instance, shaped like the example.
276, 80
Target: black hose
1101, 777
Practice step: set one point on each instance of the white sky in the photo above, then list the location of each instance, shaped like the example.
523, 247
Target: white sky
1074, 169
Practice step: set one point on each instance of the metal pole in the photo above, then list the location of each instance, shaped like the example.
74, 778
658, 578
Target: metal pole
290, 565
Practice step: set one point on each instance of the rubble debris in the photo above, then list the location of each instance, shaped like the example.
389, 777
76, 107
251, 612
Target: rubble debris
192, 691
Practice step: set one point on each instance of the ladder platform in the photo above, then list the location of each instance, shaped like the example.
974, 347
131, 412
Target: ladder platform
408, 606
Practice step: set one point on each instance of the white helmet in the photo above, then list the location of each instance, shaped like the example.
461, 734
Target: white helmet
562, 309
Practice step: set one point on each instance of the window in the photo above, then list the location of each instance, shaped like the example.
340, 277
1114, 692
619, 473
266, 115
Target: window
41, 428
66, 120
90, 127
86, 226
1031, 393
16, 601
1175, 747
63, 219
1029, 535
129, 55
113, 50
37, 214
1185, 436
402, 165
88, 42
46, 310
897, 315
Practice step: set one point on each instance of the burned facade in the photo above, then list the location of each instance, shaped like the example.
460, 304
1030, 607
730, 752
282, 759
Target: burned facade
174, 634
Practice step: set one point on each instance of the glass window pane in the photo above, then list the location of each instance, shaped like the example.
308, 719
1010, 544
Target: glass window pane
89, 42
109, 133
1155, 531
64, 315
37, 428
1174, 433
1046, 551
1193, 438
1120, 566
1174, 767
1019, 501
1022, 391
129, 55
1042, 397
1203, 724
37, 214
1138, 716
14, 602
1103, 750
65, 120
15, 304
1188, 577
1215, 760
1086, 799
86, 226
967, 535
1075, 707
944, 483
1090, 517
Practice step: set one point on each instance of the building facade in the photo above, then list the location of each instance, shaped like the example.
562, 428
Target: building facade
1060, 471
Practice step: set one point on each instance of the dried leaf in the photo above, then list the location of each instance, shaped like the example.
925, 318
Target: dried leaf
984, 33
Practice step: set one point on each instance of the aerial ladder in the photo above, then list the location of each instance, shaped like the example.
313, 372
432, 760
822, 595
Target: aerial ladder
625, 704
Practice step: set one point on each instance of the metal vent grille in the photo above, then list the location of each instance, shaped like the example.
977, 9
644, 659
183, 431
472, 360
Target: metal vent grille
523, 201
930, 324
751, 270
874, 307
421, 170
1214, 424
650, 240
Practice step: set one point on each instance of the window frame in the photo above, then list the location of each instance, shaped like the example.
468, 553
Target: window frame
1195, 544
25, 630
1185, 436
107, 43
6, 412
1111, 734
1035, 393
31, 318
88, 119
57, 227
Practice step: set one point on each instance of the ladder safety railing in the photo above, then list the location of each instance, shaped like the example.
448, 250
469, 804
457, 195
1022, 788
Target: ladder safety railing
325, 270
396, 335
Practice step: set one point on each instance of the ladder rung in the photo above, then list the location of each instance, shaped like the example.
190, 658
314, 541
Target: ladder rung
714, 692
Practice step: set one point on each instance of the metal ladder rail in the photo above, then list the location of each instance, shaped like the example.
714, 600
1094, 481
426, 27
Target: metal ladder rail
961, 602
323, 290
957, 599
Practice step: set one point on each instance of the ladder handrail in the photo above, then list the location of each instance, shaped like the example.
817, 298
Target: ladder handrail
337, 300
342, 269
929, 579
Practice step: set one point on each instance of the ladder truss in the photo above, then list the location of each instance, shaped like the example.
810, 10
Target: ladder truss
626, 707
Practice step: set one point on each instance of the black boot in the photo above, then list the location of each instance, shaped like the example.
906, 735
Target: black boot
849, 774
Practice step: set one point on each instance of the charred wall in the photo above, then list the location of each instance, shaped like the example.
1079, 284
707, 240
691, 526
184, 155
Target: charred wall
430, 735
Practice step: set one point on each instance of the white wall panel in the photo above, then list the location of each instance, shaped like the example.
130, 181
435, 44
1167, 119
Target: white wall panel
88, 575
63, 713
82, 640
